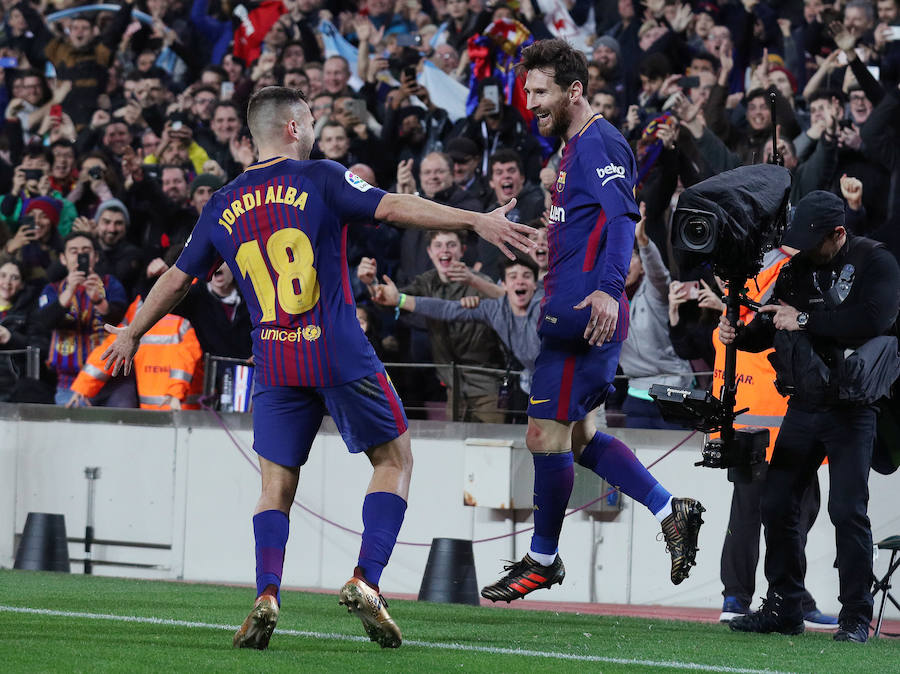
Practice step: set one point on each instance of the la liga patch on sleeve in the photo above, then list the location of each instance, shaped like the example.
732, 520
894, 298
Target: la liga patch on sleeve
356, 182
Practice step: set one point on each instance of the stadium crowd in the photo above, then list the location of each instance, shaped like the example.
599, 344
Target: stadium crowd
118, 127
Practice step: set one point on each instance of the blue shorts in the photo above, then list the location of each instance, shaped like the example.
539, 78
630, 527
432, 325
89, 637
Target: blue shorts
571, 380
367, 412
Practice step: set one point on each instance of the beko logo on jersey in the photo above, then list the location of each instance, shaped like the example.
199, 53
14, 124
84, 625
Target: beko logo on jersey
356, 182
610, 172
557, 214
276, 194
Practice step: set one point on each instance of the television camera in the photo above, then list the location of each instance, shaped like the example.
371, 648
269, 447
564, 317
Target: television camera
727, 222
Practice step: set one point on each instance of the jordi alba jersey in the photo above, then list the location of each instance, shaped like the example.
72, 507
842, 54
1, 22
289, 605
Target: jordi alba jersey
589, 244
281, 228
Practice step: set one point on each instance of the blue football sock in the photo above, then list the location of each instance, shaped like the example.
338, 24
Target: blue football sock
553, 478
611, 459
270, 528
382, 515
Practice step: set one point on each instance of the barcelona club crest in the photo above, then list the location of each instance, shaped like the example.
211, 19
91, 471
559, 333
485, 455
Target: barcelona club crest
311, 333
561, 181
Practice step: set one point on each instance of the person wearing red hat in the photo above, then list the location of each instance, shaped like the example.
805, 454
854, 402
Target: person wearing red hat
36, 241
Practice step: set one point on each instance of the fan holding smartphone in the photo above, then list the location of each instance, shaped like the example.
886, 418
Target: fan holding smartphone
32, 245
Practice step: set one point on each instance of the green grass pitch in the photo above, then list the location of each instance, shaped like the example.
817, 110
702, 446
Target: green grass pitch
94, 624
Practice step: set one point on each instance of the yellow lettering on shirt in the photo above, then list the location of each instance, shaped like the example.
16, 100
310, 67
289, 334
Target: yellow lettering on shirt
253, 200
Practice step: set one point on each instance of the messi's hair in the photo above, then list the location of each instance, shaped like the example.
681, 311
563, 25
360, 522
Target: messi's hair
269, 99
566, 63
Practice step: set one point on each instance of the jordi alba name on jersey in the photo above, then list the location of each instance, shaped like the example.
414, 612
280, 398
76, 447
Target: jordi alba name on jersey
281, 228
595, 186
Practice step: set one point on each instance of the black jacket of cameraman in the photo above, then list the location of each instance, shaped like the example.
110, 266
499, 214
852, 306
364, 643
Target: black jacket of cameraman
868, 310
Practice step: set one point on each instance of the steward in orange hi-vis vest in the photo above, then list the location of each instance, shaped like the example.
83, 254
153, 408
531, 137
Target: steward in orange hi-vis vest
755, 374
167, 363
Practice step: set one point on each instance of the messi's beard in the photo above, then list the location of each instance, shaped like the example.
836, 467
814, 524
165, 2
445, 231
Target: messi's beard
562, 118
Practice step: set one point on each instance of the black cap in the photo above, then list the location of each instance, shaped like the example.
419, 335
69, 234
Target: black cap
206, 180
462, 149
817, 214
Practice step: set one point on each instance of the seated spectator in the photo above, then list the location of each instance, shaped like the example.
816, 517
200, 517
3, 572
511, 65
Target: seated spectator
460, 343
334, 143
118, 257
36, 242
494, 127
18, 329
83, 55
168, 367
162, 217
467, 168
96, 183
647, 353
436, 179
75, 309
31, 179
507, 180
541, 254
221, 138
513, 316
63, 171
177, 147
377, 240
604, 102
219, 315
694, 310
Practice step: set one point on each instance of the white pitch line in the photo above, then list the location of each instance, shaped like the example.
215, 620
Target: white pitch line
424, 644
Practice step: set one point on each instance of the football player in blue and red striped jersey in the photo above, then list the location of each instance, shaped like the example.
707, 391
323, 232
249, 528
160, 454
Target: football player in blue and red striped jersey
583, 322
281, 228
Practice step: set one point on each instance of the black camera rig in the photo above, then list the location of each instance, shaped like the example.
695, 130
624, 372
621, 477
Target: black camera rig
727, 222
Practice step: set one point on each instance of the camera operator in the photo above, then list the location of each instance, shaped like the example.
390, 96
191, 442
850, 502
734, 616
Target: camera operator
837, 295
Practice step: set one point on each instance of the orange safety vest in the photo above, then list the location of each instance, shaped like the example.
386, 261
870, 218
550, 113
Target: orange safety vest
168, 362
754, 373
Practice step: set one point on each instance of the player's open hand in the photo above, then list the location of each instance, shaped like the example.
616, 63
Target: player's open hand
604, 316
496, 229
119, 354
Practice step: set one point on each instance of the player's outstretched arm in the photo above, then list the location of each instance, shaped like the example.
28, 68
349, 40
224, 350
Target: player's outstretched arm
162, 298
412, 211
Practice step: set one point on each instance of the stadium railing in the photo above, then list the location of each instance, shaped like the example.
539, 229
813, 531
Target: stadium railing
228, 387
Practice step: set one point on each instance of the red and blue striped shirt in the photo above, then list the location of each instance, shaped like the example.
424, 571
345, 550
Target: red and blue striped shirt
591, 231
281, 228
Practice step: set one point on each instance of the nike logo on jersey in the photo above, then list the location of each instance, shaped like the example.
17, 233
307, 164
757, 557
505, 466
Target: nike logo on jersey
538, 402
610, 172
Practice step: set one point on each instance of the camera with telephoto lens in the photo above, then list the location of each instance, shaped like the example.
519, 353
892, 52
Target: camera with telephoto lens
728, 223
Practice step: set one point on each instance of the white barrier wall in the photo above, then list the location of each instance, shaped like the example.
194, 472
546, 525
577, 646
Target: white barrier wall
179, 481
